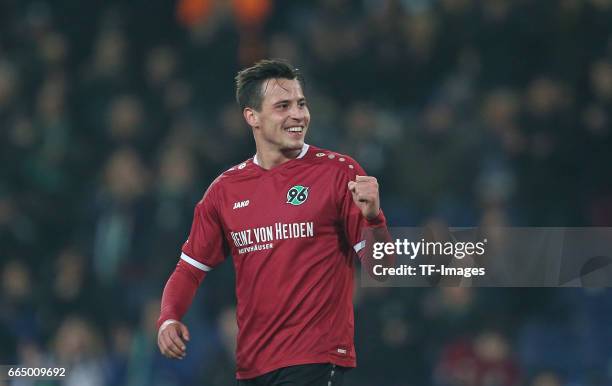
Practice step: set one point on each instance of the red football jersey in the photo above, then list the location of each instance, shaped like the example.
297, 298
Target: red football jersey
292, 231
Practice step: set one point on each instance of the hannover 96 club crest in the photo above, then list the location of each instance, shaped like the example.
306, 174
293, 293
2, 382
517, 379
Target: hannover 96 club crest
297, 195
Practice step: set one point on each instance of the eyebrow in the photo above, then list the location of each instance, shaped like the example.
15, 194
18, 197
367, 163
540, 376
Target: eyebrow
288, 101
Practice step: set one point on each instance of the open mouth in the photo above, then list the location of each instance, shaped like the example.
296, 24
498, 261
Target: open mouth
295, 130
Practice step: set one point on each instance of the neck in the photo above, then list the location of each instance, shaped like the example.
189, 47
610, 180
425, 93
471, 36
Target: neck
269, 159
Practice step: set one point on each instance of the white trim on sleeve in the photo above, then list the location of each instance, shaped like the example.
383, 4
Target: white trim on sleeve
195, 263
359, 246
166, 324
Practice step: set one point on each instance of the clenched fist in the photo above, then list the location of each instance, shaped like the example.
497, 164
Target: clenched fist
171, 339
365, 194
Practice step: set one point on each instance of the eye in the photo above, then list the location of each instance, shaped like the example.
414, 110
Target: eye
302, 104
282, 106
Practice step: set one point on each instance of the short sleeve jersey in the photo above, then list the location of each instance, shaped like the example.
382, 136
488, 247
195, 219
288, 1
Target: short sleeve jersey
292, 232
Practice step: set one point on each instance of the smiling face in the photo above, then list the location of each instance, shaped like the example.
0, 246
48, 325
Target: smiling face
281, 123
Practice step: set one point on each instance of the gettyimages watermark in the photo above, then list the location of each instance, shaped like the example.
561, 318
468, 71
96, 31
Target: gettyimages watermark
490, 257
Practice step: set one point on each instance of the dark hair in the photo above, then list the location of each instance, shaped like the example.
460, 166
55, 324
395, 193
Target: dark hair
249, 80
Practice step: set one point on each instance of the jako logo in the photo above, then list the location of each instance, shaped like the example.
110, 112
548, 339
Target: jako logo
240, 204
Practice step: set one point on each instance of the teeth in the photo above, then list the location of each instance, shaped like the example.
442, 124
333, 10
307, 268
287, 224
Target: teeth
296, 129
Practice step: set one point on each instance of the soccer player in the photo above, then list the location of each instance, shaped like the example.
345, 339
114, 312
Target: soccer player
292, 217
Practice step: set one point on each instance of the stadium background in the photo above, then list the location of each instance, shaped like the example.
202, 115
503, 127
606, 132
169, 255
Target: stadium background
115, 116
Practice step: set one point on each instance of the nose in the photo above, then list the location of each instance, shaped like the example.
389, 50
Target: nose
297, 113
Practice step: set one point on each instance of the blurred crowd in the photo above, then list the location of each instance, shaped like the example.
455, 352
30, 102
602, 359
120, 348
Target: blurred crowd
115, 116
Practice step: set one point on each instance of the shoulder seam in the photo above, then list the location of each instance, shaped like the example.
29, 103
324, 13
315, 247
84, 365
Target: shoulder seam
344, 163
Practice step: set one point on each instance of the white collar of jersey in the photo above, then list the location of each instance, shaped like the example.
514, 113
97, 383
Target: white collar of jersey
301, 155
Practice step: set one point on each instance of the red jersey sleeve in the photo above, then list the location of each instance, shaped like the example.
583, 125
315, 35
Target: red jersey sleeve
204, 249
206, 246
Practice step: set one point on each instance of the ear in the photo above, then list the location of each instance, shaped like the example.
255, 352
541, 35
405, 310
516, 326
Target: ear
251, 116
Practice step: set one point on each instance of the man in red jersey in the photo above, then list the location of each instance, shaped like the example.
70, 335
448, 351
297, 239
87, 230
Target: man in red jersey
292, 217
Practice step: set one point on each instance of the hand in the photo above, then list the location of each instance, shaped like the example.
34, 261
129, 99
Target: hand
171, 339
365, 194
